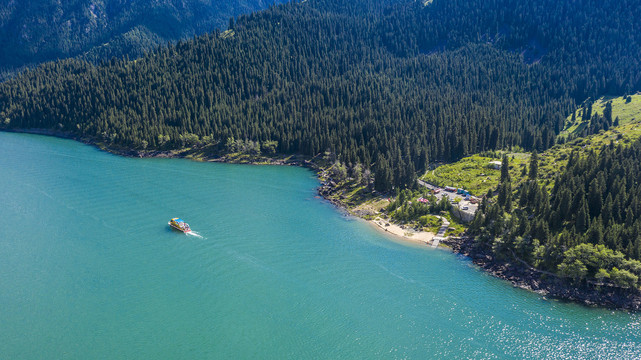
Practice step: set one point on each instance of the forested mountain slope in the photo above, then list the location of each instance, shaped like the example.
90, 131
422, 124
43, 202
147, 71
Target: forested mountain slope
41, 30
388, 85
587, 228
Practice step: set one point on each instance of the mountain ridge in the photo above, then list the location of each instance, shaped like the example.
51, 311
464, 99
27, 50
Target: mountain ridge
42, 30
307, 74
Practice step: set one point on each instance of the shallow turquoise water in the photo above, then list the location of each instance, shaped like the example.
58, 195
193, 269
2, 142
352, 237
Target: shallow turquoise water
89, 269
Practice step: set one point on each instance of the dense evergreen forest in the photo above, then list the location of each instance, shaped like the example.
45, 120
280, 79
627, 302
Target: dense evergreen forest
389, 85
584, 229
35, 31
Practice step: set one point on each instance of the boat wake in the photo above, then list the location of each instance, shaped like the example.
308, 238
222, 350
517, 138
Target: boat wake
193, 233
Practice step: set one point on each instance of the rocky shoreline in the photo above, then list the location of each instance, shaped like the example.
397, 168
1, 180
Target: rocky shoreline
329, 188
519, 275
169, 154
545, 284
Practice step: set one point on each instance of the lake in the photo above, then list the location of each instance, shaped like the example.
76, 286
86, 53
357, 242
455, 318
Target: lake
89, 269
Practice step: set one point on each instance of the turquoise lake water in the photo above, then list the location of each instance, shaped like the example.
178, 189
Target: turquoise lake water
89, 269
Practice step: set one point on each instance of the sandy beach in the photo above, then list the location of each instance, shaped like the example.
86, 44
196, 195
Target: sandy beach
407, 234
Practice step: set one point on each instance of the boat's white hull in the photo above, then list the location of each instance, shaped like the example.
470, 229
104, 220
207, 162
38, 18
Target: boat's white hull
178, 228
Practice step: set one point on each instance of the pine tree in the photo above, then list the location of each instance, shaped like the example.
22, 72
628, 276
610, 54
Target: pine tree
594, 197
508, 199
382, 175
505, 169
607, 112
582, 218
534, 166
505, 195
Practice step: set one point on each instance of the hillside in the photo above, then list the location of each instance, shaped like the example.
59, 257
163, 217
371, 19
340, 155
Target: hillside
32, 32
566, 222
389, 86
381, 90
475, 174
574, 217
602, 114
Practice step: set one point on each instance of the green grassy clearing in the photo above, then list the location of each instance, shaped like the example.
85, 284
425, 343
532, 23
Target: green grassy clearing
474, 173
626, 111
456, 228
430, 223
554, 160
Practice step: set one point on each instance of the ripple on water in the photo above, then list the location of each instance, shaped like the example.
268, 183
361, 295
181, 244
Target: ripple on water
277, 273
